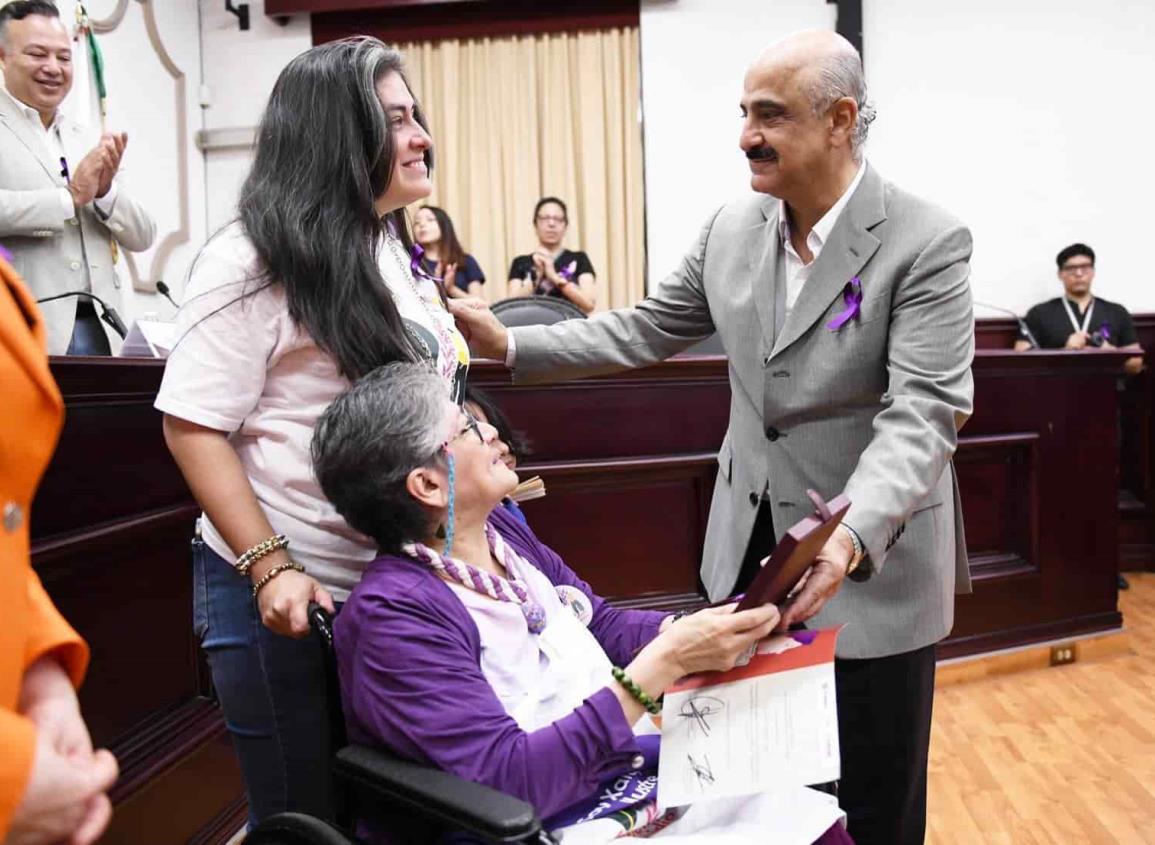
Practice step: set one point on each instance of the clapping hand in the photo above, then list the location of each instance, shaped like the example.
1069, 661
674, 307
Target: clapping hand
93, 176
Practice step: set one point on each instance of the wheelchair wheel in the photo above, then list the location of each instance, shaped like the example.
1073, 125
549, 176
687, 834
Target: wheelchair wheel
296, 829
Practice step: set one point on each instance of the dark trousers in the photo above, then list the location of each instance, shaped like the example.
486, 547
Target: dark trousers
884, 713
271, 691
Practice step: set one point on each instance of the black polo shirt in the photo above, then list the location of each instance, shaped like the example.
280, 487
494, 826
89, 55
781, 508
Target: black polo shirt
1050, 322
522, 268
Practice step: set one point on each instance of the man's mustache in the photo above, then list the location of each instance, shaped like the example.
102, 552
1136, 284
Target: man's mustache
762, 154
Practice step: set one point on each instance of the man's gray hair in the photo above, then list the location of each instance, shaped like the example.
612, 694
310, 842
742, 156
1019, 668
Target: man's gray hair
369, 440
840, 75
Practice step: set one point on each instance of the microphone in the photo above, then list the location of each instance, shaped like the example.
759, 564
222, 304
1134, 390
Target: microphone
107, 312
163, 290
1023, 327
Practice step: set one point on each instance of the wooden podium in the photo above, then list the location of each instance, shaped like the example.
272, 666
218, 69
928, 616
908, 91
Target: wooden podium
629, 461
111, 527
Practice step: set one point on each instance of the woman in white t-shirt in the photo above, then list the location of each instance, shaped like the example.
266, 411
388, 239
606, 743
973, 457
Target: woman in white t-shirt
311, 287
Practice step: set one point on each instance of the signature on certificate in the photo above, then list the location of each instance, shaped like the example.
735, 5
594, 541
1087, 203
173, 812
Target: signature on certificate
700, 709
702, 770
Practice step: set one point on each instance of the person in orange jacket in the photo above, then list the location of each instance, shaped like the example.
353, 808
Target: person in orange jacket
52, 784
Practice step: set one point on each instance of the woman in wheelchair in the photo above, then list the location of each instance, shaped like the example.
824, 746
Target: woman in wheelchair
471, 646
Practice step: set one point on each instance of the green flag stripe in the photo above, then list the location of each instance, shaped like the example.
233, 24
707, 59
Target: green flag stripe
97, 65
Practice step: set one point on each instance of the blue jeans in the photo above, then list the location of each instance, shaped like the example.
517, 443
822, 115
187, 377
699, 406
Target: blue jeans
271, 690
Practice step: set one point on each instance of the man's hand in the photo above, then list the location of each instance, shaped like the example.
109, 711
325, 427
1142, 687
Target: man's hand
487, 337
48, 699
84, 182
113, 144
1077, 340
820, 582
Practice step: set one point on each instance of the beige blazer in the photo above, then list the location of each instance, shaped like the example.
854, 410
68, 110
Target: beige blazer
872, 409
46, 245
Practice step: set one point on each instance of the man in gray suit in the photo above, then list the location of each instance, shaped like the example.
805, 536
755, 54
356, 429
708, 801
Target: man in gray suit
60, 208
844, 307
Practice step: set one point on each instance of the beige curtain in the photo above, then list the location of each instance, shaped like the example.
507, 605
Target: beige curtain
514, 119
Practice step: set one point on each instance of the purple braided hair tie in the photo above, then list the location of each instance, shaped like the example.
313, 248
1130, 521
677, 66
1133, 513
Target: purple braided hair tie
852, 297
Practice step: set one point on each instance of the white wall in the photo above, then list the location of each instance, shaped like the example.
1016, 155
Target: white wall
1027, 120
143, 101
239, 71
694, 56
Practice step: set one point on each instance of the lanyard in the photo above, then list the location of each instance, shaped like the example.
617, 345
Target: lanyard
1071, 315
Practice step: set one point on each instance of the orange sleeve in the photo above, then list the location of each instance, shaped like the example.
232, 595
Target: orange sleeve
49, 632
18, 737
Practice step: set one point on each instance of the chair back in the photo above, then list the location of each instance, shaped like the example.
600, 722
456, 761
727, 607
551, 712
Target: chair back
535, 311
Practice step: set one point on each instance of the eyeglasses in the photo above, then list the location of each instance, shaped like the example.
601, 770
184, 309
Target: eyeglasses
1075, 268
471, 425
551, 218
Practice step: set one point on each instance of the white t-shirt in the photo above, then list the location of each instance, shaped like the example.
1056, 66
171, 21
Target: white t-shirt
248, 369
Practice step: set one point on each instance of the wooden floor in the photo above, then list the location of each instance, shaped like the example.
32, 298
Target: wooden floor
1057, 755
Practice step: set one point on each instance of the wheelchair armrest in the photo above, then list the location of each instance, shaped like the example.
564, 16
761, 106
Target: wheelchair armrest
436, 794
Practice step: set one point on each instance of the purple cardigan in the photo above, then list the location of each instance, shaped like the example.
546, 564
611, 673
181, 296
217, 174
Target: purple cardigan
409, 657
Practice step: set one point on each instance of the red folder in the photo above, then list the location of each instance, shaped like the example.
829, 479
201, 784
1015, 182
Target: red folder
795, 552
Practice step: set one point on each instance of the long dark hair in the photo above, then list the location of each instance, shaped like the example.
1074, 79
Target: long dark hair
325, 152
450, 249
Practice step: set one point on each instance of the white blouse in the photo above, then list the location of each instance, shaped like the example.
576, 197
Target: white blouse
244, 367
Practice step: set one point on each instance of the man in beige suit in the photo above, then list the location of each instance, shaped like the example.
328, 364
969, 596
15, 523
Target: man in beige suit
843, 304
60, 208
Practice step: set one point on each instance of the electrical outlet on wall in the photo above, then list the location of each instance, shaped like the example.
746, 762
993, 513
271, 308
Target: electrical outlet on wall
1063, 654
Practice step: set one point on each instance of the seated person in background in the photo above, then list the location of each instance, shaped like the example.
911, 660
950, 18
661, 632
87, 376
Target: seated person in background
61, 206
470, 646
1080, 320
551, 270
482, 408
444, 257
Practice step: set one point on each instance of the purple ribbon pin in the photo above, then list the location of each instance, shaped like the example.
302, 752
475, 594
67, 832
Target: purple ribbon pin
416, 254
1105, 333
568, 271
5, 254
852, 296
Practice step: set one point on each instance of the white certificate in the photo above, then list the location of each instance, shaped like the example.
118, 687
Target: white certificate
769, 725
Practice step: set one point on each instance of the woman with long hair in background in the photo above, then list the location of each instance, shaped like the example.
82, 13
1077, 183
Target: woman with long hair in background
443, 256
313, 285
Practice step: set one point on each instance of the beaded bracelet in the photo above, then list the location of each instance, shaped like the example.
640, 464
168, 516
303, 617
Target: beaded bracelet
640, 695
274, 572
265, 547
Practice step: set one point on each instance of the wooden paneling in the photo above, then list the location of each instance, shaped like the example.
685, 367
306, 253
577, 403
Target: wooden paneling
663, 501
394, 21
1042, 553
110, 540
629, 464
1137, 459
1136, 480
998, 476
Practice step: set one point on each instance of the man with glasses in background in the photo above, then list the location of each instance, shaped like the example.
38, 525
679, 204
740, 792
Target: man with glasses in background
1080, 320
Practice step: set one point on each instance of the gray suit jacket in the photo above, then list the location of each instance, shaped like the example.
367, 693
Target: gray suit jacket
44, 242
872, 409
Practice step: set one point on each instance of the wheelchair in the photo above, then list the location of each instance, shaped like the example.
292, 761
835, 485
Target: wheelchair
416, 803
